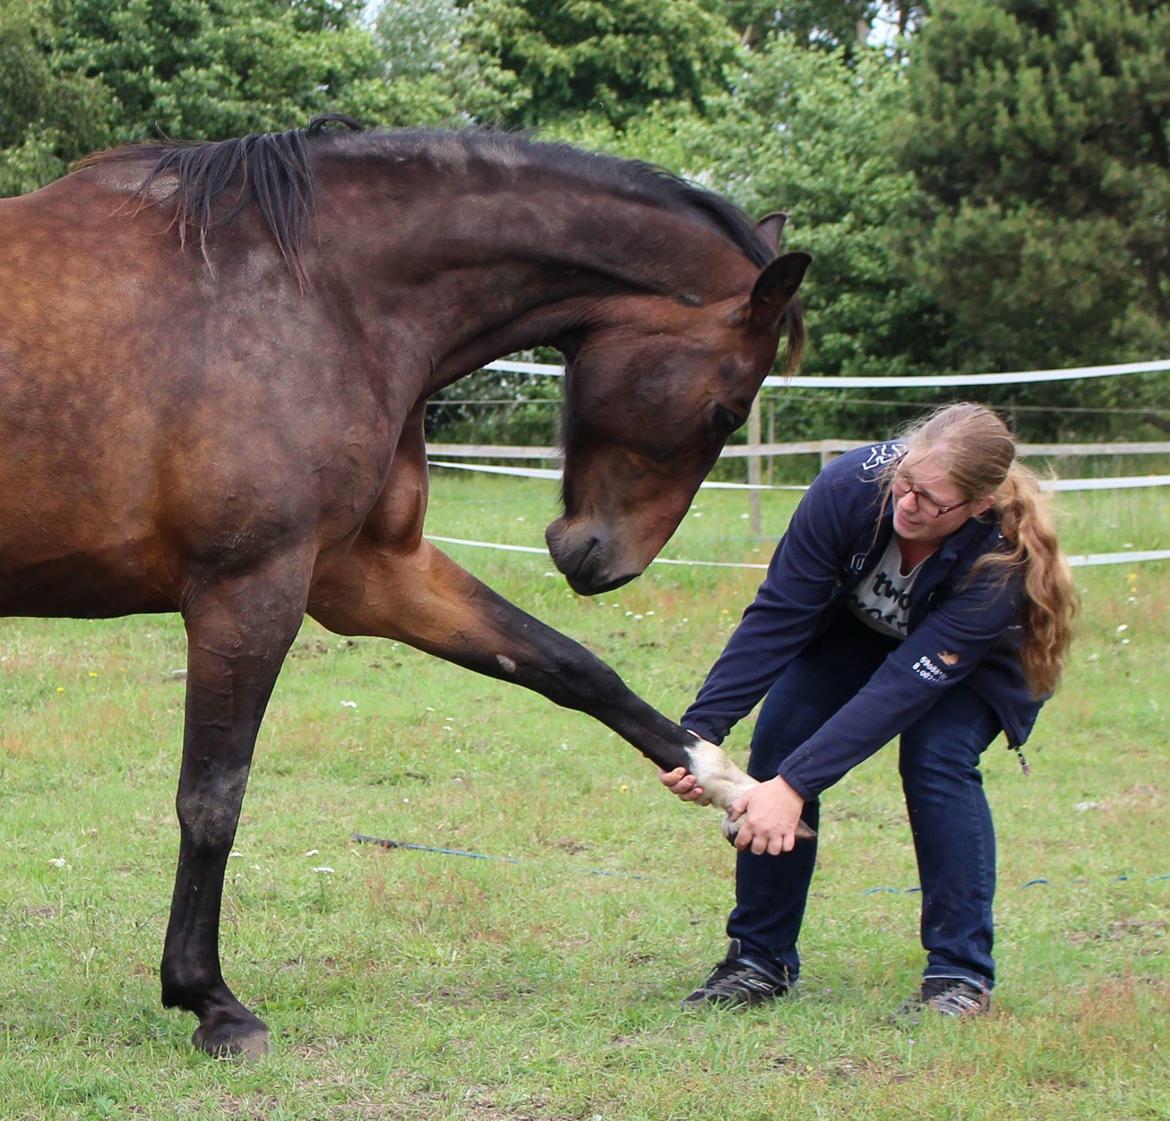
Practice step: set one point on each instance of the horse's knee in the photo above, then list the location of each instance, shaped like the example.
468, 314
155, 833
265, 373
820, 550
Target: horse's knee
209, 811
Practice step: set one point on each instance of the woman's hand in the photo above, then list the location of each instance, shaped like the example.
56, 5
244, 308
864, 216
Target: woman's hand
767, 816
681, 782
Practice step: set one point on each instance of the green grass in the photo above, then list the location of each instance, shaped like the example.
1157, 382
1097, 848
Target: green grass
415, 985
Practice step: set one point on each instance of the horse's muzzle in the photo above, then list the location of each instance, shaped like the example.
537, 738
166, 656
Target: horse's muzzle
586, 559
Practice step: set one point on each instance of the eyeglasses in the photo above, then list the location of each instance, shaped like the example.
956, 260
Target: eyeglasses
931, 507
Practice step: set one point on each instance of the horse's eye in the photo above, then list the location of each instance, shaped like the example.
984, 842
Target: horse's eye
724, 421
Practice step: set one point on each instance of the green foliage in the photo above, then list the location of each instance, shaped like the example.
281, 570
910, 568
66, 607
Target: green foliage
615, 57
47, 117
213, 68
84, 74
435, 76
823, 24
1039, 133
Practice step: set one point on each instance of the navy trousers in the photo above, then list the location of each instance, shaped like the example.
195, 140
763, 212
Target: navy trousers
954, 839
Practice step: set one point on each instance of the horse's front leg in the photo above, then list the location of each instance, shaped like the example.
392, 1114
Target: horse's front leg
423, 598
238, 634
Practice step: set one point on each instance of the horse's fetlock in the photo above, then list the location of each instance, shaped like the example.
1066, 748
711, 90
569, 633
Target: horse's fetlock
719, 777
192, 986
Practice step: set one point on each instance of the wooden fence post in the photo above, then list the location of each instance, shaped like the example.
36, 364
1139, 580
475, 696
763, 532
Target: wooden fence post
754, 518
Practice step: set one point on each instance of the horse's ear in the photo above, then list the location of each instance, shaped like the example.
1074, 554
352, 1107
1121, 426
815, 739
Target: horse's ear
775, 287
771, 226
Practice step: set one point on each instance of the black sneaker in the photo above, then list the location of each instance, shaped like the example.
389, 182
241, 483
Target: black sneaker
948, 996
735, 982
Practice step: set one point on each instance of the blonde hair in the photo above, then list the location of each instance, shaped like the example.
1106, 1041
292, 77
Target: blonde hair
978, 453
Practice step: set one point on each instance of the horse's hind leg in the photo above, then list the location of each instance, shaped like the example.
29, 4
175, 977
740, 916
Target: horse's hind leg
238, 634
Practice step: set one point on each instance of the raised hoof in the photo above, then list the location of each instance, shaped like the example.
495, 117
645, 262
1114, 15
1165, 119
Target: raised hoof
233, 1041
730, 828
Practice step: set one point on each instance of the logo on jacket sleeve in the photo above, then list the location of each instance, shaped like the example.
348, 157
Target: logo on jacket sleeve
881, 454
930, 670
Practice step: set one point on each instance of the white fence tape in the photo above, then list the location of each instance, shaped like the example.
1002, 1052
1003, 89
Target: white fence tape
1118, 482
1083, 560
826, 449
1086, 560
544, 553
554, 474
898, 382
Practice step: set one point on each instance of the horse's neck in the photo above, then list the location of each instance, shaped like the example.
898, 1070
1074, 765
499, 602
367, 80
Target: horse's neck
518, 266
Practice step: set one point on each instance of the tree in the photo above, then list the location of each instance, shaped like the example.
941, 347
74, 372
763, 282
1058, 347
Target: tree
552, 59
823, 24
437, 76
47, 118
83, 74
1039, 134
214, 68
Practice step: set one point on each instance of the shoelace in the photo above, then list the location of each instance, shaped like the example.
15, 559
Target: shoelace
952, 999
739, 977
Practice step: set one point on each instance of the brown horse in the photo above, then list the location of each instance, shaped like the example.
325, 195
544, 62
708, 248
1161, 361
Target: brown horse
214, 361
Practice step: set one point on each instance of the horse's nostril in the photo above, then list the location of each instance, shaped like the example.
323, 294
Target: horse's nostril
571, 555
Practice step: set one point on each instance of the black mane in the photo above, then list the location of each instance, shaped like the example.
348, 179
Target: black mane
275, 171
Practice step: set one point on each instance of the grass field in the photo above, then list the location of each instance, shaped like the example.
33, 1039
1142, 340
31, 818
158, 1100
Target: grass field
411, 984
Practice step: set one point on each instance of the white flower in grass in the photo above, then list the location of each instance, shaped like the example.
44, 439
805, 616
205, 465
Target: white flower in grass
312, 852
59, 862
1123, 628
324, 869
349, 704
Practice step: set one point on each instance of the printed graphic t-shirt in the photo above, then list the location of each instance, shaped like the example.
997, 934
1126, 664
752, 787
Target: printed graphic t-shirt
882, 598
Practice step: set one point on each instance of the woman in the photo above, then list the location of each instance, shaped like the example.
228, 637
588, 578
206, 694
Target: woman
919, 592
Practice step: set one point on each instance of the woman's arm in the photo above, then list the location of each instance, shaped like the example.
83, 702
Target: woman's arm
776, 626
938, 654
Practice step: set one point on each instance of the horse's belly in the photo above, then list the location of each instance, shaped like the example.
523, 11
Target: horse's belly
81, 587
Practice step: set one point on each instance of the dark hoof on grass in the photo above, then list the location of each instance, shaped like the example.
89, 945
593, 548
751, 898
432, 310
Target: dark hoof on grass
233, 1041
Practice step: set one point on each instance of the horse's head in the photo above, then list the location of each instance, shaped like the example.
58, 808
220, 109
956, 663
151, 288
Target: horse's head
653, 391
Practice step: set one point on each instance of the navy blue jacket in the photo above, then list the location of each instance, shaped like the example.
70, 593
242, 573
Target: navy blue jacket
959, 629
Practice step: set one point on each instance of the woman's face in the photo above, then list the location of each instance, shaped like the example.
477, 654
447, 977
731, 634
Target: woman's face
927, 504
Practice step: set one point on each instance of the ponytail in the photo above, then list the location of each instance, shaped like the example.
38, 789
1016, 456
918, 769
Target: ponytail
1050, 600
